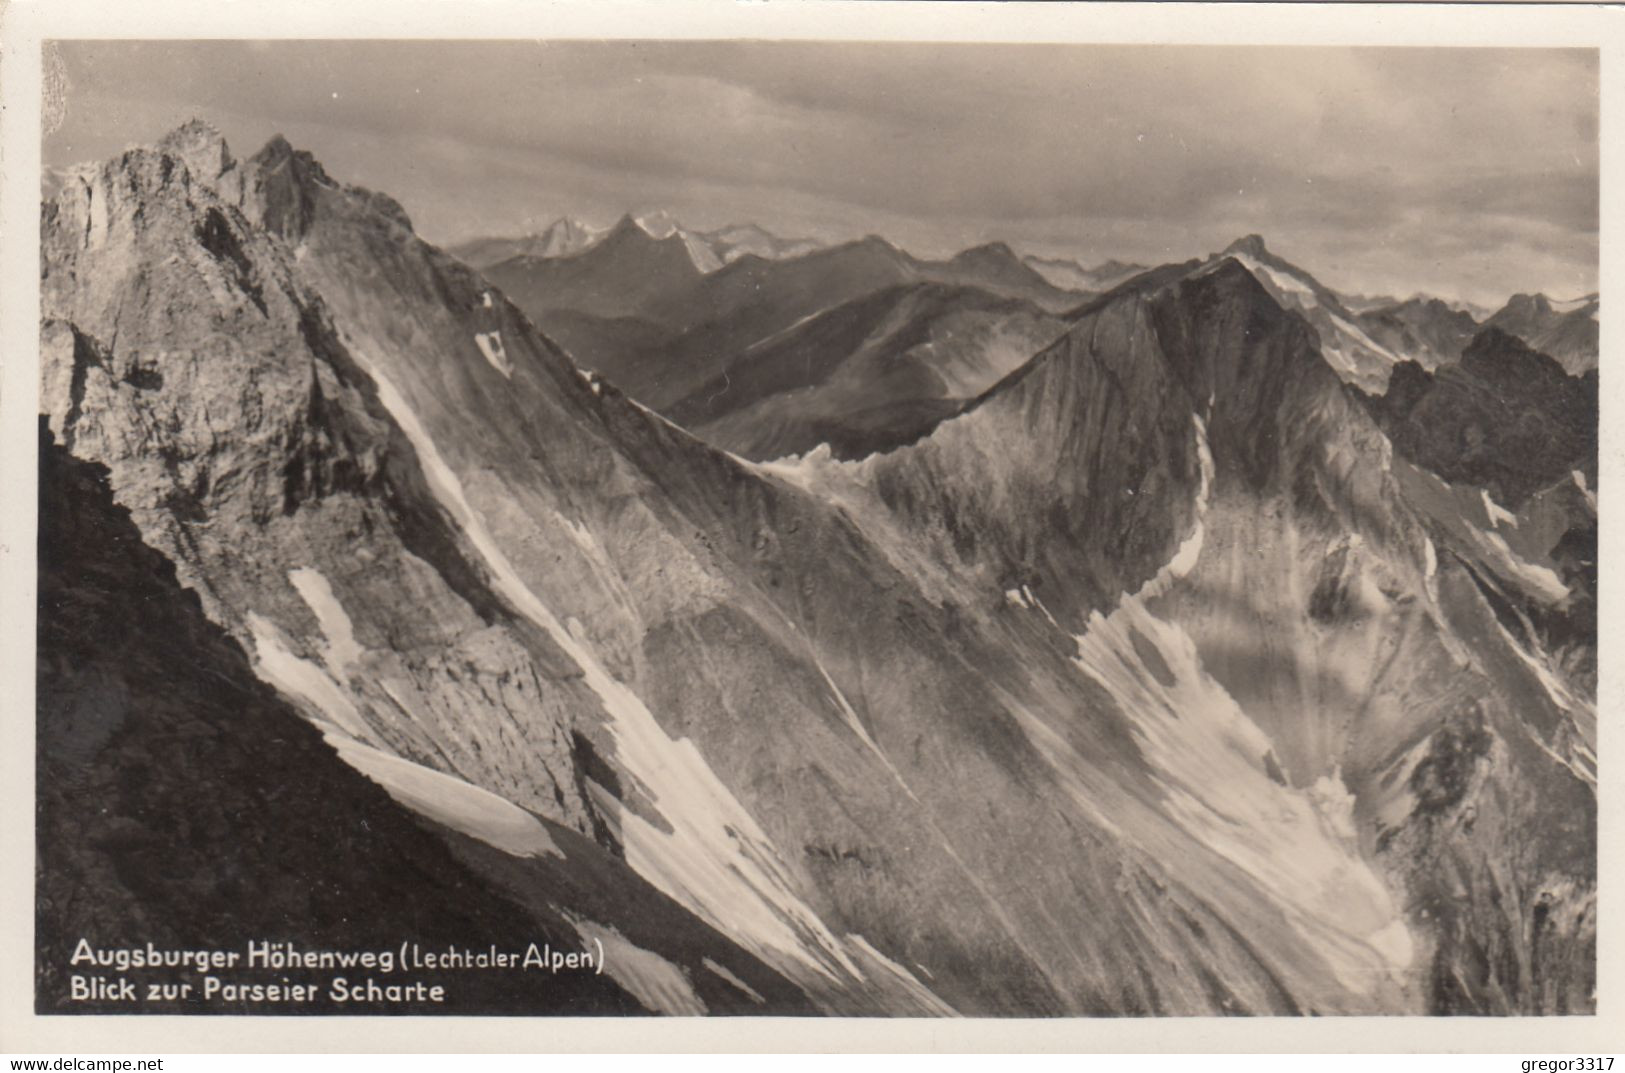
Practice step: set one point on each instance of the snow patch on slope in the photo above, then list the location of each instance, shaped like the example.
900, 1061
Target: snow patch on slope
275, 663
704, 257
856, 725
448, 800
342, 649
733, 981
1497, 513
928, 1000
1539, 580
1358, 335
1297, 846
490, 344
1190, 549
804, 470
1582, 715
1580, 483
715, 860
657, 983
590, 378
1341, 340
443, 798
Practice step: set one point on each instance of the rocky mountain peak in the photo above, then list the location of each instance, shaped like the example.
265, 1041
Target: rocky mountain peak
1251, 245
658, 224
1527, 304
565, 225
201, 147
990, 253
742, 232
628, 227
276, 150
629, 239
285, 179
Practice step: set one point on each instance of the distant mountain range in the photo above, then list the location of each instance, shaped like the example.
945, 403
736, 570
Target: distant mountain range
637, 310
1361, 303
1366, 335
709, 250
841, 632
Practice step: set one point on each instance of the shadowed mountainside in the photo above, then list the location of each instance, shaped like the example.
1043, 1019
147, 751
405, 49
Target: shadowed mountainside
868, 375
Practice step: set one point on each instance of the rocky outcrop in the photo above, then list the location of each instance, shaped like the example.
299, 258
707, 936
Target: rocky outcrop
180, 352
1503, 417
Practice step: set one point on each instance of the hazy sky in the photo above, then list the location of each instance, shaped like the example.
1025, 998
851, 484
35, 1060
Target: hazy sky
1462, 172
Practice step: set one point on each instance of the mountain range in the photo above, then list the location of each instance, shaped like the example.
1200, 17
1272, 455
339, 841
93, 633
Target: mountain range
1186, 648
567, 236
637, 310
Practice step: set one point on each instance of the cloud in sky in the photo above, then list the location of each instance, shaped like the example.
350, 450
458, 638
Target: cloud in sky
1463, 172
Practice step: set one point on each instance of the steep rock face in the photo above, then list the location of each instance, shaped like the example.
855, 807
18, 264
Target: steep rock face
182, 803
1566, 331
255, 453
954, 727
1503, 417
180, 352
1083, 465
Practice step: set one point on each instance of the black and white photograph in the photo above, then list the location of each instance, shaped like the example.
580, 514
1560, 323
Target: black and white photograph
741, 527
